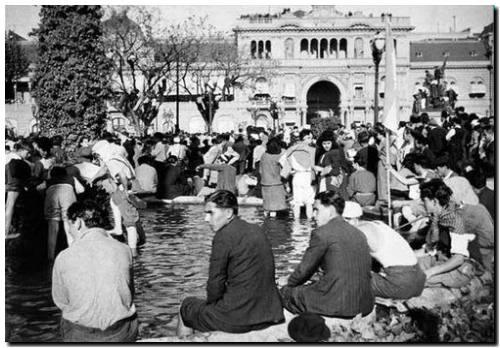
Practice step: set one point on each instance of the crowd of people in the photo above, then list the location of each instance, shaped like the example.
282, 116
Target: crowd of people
438, 176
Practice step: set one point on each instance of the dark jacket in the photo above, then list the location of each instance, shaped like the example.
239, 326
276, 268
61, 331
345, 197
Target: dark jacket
370, 156
437, 140
172, 184
241, 286
344, 290
487, 198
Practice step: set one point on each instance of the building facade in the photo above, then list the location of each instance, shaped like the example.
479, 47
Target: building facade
322, 65
325, 67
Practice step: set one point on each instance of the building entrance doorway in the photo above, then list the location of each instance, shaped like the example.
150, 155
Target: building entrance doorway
323, 100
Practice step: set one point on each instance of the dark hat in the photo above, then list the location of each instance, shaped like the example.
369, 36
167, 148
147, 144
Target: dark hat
308, 327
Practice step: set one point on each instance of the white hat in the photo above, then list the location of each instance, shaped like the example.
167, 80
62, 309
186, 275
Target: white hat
352, 210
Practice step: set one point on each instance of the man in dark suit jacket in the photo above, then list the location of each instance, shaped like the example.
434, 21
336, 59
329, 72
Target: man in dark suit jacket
486, 196
436, 138
342, 252
368, 153
241, 287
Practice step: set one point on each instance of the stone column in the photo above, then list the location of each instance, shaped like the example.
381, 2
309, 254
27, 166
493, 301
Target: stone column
350, 48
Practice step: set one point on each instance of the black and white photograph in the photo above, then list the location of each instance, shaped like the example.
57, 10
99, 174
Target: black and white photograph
238, 173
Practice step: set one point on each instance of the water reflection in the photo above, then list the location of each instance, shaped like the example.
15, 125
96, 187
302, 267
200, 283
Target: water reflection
172, 265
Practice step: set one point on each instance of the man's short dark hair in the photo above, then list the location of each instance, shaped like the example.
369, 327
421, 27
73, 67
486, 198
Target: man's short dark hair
360, 160
409, 161
476, 178
436, 189
58, 172
442, 161
488, 129
420, 159
144, 160
89, 211
424, 117
363, 137
273, 146
223, 199
331, 198
419, 138
303, 133
415, 119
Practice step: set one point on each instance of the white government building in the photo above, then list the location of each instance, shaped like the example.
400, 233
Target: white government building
323, 66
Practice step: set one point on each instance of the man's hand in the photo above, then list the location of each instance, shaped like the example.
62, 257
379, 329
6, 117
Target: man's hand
429, 273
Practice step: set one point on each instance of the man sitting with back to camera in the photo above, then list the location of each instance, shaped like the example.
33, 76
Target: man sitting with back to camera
341, 252
241, 291
92, 281
400, 276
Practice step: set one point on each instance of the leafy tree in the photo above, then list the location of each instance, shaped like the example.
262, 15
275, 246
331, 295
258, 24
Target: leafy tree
16, 63
72, 73
319, 125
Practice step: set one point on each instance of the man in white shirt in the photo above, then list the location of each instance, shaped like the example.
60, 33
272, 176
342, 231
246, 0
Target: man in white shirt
460, 186
159, 151
146, 175
177, 149
92, 282
400, 277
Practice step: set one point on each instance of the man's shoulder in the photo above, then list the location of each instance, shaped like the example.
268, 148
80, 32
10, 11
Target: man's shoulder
244, 225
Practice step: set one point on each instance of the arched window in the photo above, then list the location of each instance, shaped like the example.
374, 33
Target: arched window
343, 48
314, 48
261, 49
323, 48
268, 49
333, 48
289, 48
358, 48
304, 47
253, 49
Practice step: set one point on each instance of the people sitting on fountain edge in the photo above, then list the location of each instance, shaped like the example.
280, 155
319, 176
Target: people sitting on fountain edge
450, 256
342, 253
241, 291
400, 276
92, 281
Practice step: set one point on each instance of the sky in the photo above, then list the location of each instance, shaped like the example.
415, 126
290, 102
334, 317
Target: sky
427, 18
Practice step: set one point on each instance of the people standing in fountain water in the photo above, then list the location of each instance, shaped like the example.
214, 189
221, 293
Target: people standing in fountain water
342, 253
273, 190
92, 281
241, 291
301, 160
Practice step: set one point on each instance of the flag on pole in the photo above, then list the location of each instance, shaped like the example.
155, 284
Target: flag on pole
391, 117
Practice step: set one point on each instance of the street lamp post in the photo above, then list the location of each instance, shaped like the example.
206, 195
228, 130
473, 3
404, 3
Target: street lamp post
209, 91
377, 46
273, 108
177, 125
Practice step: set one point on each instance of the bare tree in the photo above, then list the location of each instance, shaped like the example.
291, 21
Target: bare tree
220, 69
146, 56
